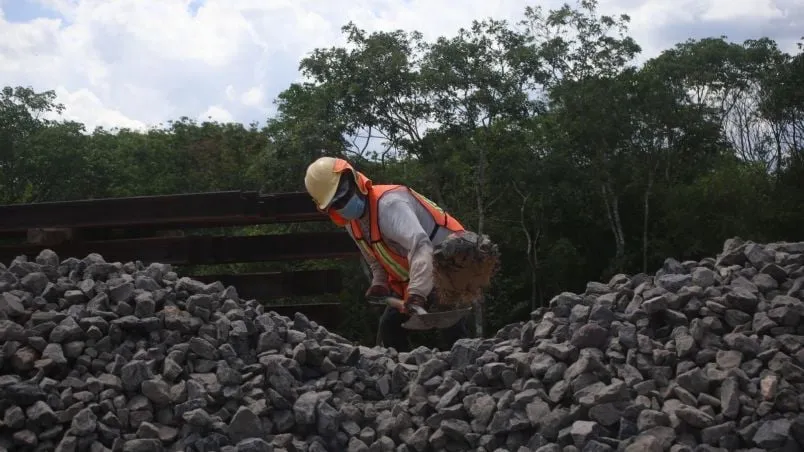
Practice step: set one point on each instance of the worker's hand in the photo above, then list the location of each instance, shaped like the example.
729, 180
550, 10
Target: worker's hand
378, 291
418, 300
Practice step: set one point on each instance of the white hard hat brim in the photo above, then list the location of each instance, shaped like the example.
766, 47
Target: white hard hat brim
321, 181
329, 196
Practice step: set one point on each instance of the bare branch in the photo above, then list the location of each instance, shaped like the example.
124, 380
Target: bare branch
495, 199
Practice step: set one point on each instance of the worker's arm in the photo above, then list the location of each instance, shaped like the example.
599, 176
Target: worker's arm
399, 223
378, 275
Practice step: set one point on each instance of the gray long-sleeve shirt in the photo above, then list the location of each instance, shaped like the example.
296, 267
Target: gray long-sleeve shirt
405, 225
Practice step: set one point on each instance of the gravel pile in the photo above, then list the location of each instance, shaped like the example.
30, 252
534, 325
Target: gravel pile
702, 356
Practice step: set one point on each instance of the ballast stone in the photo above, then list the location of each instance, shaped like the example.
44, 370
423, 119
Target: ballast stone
703, 355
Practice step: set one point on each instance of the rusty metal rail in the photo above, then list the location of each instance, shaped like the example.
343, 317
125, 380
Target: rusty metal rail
226, 208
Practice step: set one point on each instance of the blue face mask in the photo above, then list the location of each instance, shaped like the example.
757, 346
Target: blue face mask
354, 208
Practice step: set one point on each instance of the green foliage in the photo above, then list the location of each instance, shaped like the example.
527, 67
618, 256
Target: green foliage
543, 134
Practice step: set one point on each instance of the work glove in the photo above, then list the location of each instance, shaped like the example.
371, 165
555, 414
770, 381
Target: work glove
378, 291
418, 300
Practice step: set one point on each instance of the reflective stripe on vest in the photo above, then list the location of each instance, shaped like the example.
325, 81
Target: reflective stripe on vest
431, 206
396, 270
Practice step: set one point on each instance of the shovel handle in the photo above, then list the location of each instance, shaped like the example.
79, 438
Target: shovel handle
398, 304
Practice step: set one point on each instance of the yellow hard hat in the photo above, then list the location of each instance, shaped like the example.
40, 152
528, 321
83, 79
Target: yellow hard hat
322, 180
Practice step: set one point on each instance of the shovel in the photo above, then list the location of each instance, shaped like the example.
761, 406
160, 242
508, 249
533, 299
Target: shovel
420, 319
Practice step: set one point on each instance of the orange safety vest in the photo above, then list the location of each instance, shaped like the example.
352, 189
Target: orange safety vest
396, 266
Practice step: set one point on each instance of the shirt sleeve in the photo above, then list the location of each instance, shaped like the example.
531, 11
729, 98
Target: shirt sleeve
399, 224
378, 275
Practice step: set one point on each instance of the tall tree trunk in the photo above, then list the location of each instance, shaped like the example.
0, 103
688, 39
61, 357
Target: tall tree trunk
481, 211
439, 194
534, 275
480, 194
533, 260
646, 202
480, 314
531, 243
613, 213
777, 138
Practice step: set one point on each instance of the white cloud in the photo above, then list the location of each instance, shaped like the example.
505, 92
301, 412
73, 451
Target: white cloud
725, 10
137, 63
216, 113
253, 97
86, 107
230, 93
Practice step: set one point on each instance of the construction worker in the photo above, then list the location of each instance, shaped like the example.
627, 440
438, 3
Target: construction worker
396, 230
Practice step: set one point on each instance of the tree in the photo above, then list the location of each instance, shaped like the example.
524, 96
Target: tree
40, 158
581, 71
727, 81
479, 86
375, 86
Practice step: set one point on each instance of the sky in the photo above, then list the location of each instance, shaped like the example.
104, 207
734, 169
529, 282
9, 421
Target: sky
140, 63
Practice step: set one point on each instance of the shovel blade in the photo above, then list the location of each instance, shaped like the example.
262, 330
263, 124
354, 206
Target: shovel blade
423, 320
436, 320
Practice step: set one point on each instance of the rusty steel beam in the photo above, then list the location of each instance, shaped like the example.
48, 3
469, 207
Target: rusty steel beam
214, 209
267, 286
290, 207
200, 250
326, 314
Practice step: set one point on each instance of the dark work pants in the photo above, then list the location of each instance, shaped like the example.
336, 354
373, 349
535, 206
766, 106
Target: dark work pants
394, 335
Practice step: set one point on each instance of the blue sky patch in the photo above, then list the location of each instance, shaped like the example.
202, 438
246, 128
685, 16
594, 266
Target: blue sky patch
20, 11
